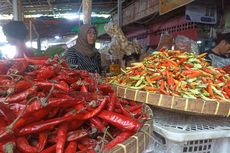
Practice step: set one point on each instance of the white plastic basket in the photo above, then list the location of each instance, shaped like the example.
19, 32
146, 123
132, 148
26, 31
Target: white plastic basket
180, 133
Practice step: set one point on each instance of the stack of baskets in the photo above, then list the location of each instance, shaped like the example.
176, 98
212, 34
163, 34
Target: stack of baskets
189, 132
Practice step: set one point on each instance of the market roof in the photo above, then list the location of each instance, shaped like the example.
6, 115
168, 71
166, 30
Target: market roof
46, 7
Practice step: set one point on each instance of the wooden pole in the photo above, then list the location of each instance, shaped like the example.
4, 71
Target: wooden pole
30, 33
87, 11
120, 15
17, 10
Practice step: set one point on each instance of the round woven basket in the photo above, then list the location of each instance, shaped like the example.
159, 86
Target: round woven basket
138, 142
195, 106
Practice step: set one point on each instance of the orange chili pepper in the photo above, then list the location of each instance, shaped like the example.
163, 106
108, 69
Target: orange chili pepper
148, 88
183, 87
156, 78
195, 74
210, 91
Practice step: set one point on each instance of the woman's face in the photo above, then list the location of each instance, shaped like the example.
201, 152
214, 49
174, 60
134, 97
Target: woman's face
91, 36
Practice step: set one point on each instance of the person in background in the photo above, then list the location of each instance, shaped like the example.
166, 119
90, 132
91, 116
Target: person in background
219, 56
84, 55
16, 34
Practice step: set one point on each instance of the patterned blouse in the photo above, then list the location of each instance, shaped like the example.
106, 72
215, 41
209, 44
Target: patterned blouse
76, 60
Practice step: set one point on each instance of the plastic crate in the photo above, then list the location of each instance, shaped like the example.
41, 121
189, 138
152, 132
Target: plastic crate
180, 133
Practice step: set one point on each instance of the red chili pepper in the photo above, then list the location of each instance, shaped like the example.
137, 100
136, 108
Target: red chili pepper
60, 94
44, 125
53, 113
20, 96
106, 88
124, 111
76, 135
227, 91
30, 118
120, 138
51, 103
22, 85
3, 123
89, 143
112, 102
24, 146
8, 114
75, 124
48, 85
67, 78
61, 138
98, 124
182, 60
88, 115
132, 108
51, 149
137, 112
43, 136
36, 61
83, 148
118, 110
120, 121
83, 88
124, 102
162, 88
132, 103
71, 148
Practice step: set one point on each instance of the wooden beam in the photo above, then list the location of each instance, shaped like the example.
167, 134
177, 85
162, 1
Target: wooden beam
50, 6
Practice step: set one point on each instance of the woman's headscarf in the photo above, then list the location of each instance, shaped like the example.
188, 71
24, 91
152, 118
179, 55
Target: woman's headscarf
82, 45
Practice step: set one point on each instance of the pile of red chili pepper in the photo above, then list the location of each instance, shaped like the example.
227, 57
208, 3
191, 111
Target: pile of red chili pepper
176, 73
47, 107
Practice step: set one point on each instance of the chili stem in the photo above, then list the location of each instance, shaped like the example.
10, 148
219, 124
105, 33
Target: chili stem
21, 113
103, 139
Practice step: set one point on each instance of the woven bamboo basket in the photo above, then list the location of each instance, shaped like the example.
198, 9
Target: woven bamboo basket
194, 106
138, 142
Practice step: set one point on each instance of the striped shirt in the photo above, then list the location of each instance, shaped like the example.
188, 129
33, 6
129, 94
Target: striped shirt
76, 60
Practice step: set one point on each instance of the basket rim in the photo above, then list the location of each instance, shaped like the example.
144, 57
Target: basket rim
149, 124
194, 106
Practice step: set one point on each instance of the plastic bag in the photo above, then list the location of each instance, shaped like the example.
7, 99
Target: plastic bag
218, 61
166, 41
183, 43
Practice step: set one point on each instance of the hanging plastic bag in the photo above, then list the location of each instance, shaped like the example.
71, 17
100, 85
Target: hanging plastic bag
185, 44
218, 61
166, 41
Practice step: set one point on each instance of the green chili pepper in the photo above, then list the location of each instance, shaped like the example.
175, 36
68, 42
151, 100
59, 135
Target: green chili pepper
197, 66
135, 77
188, 95
192, 80
206, 94
138, 88
218, 92
206, 98
194, 91
139, 81
193, 60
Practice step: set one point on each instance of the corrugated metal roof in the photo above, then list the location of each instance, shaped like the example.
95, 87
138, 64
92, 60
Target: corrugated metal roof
56, 6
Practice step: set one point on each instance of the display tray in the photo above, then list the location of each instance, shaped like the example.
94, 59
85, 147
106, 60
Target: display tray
195, 106
138, 142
